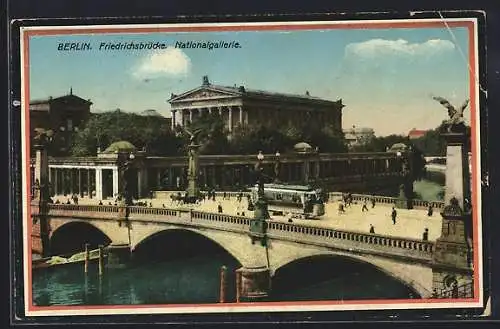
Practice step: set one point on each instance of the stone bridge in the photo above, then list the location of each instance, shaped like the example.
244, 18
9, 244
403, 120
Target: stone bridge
406, 260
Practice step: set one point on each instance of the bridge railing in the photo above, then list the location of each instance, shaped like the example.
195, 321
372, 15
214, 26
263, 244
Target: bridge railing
352, 241
419, 204
94, 211
332, 238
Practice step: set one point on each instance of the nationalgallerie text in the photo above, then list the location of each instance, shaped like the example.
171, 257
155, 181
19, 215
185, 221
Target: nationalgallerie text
132, 45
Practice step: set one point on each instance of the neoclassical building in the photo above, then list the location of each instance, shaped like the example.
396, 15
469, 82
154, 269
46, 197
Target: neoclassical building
63, 115
243, 106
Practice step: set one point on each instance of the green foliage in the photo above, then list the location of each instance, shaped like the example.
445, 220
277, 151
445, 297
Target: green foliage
212, 136
150, 132
252, 139
381, 144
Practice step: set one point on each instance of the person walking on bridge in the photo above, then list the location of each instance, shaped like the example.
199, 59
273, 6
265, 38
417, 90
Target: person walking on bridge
365, 207
394, 214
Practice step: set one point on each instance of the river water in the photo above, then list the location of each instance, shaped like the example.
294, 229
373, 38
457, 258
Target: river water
196, 281
180, 268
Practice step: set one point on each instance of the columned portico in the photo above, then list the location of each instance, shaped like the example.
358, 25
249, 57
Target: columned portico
173, 118
230, 119
116, 187
98, 183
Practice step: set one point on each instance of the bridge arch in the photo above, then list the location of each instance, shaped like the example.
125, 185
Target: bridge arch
414, 276
233, 244
70, 237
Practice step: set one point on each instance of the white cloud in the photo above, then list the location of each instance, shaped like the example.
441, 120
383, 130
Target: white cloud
171, 61
400, 47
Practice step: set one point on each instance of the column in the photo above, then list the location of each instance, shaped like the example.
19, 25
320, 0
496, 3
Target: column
241, 114
72, 181
183, 120
98, 183
142, 182
220, 110
173, 119
89, 188
54, 185
230, 119
80, 190
51, 186
209, 110
191, 115
172, 179
158, 178
116, 183
205, 181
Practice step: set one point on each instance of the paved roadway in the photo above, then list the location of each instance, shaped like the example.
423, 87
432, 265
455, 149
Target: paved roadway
409, 223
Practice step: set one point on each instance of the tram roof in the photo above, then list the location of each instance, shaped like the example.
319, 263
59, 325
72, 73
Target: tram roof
288, 187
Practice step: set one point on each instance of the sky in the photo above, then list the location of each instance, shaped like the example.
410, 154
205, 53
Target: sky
385, 77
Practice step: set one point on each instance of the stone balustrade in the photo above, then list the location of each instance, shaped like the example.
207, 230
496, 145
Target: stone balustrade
417, 204
351, 241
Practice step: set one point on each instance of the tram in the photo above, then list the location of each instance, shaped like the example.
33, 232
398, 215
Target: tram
301, 201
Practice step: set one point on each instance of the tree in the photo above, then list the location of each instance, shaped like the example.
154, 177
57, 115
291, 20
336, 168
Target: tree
255, 138
213, 135
381, 144
150, 132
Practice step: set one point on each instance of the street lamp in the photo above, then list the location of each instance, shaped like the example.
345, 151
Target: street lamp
277, 167
124, 165
406, 188
258, 225
258, 171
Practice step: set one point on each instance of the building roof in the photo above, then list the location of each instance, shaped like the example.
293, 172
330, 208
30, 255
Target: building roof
415, 133
121, 146
241, 91
70, 98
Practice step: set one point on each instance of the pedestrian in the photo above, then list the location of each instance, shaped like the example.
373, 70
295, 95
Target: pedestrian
373, 203
372, 229
341, 208
219, 208
394, 214
425, 235
224, 196
430, 211
365, 208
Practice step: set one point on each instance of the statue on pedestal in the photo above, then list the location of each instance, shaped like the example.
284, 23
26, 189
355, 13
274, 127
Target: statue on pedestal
193, 191
456, 122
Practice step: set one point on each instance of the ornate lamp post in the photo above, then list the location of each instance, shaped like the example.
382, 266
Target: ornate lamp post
124, 194
406, 188
277, 167
258, 225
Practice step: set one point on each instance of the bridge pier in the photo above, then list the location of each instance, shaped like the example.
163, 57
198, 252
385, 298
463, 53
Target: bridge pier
118, 255
253, 283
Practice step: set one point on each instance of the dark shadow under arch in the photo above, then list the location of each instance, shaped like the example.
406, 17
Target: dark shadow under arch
71, 238
333, 277
174, 244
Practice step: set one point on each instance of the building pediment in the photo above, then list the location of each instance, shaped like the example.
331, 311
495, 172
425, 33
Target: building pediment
203, 93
